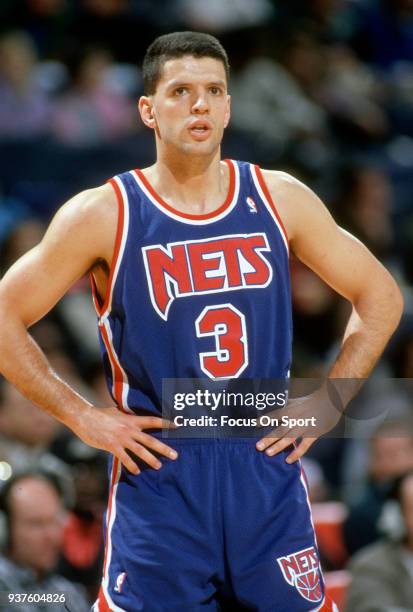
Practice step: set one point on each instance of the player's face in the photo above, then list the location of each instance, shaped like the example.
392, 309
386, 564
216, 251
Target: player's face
190, 108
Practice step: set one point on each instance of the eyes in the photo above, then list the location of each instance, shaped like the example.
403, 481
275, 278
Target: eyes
215, 90
180, 91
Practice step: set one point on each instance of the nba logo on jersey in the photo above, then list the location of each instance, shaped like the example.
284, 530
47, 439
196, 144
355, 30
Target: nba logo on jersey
301, 570
251, 205
119, 582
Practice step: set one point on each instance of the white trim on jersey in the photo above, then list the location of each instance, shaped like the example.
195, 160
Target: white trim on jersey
267, 205
123, 400
125, 204
304, 483
112, 516
182, 219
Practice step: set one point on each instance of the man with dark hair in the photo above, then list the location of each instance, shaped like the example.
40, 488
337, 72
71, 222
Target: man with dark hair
382, 573
174, 46
190, 276
33, 516
390, 455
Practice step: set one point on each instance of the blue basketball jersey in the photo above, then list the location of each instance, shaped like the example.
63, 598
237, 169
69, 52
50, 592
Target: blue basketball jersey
203, 296
195, 296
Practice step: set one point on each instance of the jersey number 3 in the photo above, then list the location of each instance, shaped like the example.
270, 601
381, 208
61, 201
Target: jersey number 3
227, 325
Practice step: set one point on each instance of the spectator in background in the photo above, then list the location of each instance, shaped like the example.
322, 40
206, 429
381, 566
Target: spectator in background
216, 16
24, 234
365, 206
24, 107
46, 21
391, 455
34, 516
90, 111
263, 87
352, 95
383, 32
82, 551
382, 574
402, 353
315, 309
25, 436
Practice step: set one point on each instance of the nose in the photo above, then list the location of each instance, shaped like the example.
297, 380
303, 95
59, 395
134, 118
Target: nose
200, 104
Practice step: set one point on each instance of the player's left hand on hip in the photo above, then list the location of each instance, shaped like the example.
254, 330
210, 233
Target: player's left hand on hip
301, 423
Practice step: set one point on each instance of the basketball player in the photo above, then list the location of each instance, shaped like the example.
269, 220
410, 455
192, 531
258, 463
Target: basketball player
189, 267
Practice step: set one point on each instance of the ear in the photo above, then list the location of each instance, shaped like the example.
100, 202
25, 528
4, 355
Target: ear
227, 112
145, 107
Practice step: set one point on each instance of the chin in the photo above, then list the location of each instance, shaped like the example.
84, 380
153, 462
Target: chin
45, 566
201, 148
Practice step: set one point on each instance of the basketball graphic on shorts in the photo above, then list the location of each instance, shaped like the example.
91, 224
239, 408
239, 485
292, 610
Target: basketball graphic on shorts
309, 585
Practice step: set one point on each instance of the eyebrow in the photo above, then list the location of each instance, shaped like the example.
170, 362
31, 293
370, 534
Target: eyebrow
176, 83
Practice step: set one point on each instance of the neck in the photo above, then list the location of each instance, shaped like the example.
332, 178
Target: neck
193, 184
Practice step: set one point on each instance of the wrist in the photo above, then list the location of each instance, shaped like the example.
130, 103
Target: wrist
80, 416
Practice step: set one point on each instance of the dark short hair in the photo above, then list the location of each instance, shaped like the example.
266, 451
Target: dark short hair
176, 45
35, 474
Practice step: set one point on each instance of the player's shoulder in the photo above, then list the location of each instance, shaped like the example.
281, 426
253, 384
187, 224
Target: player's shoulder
92, 209
295, 201
280, 182
92, 202
87, 222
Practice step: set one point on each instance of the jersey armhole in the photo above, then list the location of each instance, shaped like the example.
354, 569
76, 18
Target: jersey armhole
103, 306
265, 195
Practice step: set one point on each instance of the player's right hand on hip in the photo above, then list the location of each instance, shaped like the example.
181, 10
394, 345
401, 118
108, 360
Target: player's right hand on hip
123, 435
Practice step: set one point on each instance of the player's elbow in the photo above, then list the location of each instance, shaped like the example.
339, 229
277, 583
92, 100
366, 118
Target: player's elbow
3, 307
386, 299
397, 301
9, 314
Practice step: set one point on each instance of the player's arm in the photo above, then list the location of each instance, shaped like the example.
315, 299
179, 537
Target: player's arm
80, 237
345, 264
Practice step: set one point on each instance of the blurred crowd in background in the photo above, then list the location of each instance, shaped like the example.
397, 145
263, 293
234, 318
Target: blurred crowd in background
322, 89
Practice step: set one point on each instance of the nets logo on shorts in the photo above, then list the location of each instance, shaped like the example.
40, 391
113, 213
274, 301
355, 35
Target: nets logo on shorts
302, 571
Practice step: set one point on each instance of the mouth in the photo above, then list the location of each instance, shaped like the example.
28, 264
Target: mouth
200, 130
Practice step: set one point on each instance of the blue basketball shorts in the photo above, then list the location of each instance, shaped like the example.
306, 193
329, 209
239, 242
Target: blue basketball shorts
222, 525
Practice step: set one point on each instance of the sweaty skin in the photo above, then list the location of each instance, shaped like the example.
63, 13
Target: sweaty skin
188, 114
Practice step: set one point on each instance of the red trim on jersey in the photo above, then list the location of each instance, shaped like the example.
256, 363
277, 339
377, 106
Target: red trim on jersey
193, 217
117, 372
95, 294
328, 604
118, 240
267, 194
102, 603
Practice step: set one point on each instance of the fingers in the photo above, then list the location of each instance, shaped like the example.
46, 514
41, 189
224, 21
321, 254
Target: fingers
141, 452
158, 446
300, 450
276, 447
274, 443
138, 448
129, 464
273, 436
149, 422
